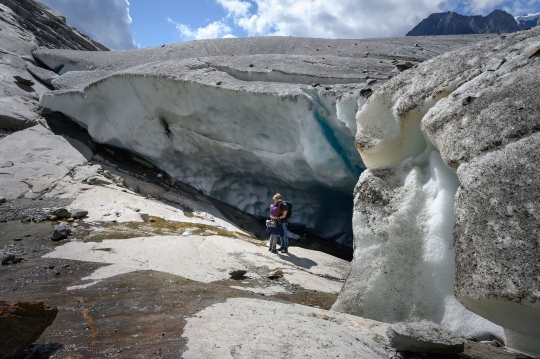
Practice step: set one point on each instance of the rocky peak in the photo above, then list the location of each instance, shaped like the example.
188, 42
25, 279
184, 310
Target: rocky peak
451, 23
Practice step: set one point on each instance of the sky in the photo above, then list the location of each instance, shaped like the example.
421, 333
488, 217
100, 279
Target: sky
129, 24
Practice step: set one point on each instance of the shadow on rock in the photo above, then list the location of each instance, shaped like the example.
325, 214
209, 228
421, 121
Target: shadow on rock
300, 262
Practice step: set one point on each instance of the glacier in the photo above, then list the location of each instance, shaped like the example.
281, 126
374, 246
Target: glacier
241, 119
446, 214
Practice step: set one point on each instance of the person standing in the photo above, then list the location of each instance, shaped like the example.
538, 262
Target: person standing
282, 218
275, 230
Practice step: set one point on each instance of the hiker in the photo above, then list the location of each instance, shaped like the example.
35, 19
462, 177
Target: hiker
274, 227
282, 218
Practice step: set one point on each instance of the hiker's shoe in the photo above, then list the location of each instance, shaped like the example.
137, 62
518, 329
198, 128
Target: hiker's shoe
270, 249
275, 252
284, 250
280, 249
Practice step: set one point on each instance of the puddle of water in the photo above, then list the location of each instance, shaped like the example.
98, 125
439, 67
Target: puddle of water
152, 226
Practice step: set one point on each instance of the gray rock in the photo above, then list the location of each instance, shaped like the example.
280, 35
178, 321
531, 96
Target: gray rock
39, 158
61, 213
15, 121
45, 76
237, 273
60, 231
134, 188
8, 259
78, 213
24, 81
2, 199
424, 337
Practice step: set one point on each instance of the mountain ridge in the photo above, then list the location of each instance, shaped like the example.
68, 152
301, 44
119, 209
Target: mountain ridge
452, 23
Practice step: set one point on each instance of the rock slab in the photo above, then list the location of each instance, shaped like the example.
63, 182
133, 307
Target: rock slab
424, 337
22, 324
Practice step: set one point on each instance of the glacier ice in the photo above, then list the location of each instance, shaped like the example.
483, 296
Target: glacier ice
240, 119
481, 123
403, 267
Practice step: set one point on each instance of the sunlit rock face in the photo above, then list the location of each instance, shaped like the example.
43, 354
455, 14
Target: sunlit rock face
450, 200
241, 119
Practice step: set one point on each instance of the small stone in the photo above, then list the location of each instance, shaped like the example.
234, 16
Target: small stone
60, 231
370, 81
278, 273
251, 65
315, 85
534, 52
2, 199
75, 225
24, 81
78, 213
134, 188
151, 219
8, 259
327, 88
159, 175
70, 220
366, 92
424, 337
17, 260
218, 83
53, 218
17, 239
404, 65
467, 100
26, 219
237, 273
494, 64
416, 45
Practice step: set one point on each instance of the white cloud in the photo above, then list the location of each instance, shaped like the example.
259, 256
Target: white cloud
330, 19
104, 21
235, 7
211, 31
229, 36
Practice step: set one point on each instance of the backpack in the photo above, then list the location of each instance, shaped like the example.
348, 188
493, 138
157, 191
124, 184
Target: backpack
289, 208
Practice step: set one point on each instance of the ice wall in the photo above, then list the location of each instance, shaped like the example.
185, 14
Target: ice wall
237, 145
403, 267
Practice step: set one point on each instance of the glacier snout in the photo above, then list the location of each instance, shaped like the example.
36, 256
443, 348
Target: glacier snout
239, 143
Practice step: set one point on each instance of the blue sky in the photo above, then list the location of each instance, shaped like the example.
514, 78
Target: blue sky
125, 24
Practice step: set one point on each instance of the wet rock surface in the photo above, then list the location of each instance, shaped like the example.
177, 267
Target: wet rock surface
22, 324
141, 313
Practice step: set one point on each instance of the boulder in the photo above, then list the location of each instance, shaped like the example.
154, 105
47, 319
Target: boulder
424, 337
61, 213
237, 273
60, 231
2, 199
78, 213
22, 324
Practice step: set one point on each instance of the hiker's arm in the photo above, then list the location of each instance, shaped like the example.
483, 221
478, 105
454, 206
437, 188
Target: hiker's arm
284, 215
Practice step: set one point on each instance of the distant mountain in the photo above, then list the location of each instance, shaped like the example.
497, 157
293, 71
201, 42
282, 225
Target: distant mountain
451, 23
527, 21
